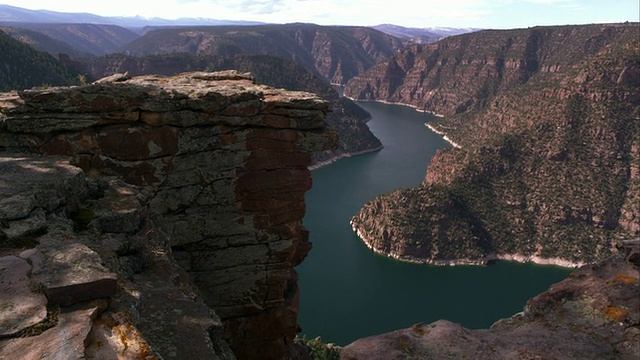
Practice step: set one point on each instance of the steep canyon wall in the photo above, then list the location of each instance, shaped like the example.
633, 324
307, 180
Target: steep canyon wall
548, 122
209, 168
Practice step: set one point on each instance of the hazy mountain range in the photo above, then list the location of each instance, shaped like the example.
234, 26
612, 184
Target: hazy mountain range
139, 24
16, 14
425, 35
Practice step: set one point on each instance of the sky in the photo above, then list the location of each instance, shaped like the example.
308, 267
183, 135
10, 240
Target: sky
496, 14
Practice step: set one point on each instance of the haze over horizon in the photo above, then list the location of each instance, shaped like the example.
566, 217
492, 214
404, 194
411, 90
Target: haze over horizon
496, 14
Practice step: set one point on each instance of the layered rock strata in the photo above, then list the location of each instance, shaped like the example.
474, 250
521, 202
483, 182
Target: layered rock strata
345, 117
195, 196
76, 286
546, 170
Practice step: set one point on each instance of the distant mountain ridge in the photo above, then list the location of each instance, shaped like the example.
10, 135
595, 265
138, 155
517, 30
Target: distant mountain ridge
12, 14
23, 66
16, 14
94, 39
425, 35
338, 53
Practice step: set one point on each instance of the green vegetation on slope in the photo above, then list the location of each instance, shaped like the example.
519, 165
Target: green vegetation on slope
85, 38
42, 42
550, 135
23, 67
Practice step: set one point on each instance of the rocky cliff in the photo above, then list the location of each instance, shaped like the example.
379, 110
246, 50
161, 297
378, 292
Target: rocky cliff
134, 208
347, 118
548, 126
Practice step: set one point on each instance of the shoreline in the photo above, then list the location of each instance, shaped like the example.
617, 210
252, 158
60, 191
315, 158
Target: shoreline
444, 136
449, 262
398, 103
342, 156
523, 259
536, 260
441, 133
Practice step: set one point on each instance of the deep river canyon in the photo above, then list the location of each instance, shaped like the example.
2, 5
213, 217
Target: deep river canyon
349, 292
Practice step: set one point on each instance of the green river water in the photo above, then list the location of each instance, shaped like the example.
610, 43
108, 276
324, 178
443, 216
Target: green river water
349, 292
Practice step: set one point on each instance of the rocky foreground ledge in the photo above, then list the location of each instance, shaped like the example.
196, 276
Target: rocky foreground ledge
154, 217
593, 314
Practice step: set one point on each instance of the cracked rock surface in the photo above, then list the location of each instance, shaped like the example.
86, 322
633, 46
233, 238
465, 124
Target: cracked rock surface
177, 201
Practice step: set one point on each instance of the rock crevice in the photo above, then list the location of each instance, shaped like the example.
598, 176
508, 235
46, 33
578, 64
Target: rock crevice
190, 187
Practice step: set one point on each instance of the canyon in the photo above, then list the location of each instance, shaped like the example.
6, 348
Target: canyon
547, 126
138, 206
160, 216
336, 53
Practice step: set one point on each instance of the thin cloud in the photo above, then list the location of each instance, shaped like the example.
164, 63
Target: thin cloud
425, 13
563, 4
247, 7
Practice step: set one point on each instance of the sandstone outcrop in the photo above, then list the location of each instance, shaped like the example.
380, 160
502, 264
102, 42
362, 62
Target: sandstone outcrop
547, 120
344, 116
593, 314
161, 200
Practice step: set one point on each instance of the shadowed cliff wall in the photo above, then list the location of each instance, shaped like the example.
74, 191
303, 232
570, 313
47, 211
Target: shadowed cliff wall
223, 164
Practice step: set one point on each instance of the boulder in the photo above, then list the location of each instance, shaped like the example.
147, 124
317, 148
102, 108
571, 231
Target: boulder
64, 341
119, 211
70, 272
22, 305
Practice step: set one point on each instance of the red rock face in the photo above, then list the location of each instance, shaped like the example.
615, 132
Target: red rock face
271, 188
462, 73
546, 130
226, 162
